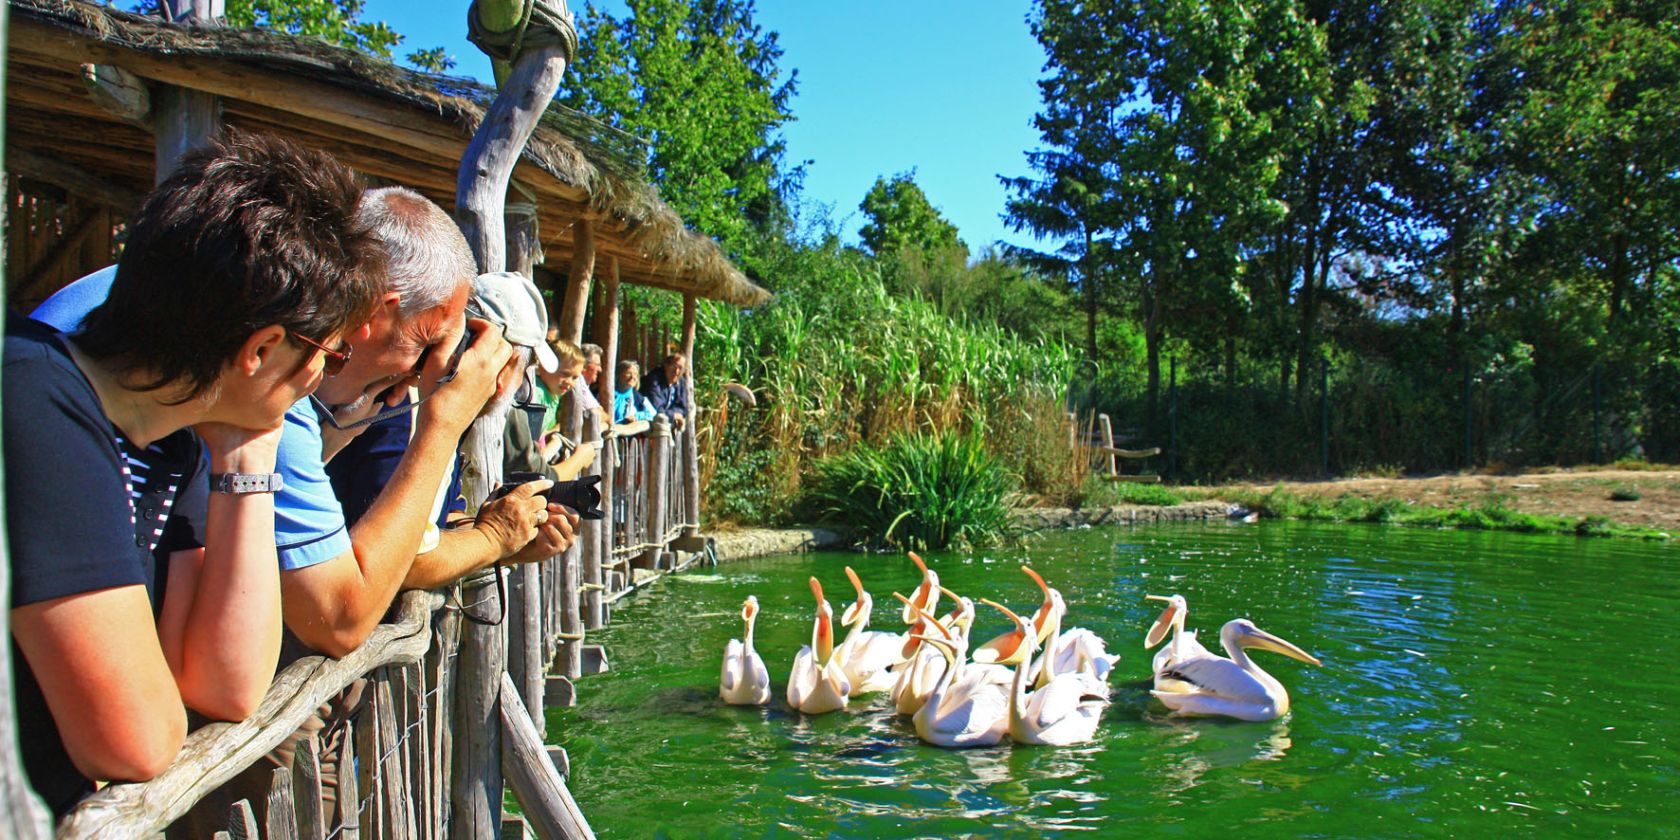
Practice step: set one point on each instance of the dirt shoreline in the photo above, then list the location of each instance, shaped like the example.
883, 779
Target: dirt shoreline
1575, 493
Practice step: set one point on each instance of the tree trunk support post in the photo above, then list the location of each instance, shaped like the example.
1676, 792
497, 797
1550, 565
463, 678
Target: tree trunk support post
659, 454
183, 119
690, 453
481, 190
577, 284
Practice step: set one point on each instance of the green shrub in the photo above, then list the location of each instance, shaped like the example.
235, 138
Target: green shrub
1624, 494
918, 491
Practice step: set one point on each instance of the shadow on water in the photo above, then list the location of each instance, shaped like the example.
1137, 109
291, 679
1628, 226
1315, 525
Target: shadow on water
1464, 690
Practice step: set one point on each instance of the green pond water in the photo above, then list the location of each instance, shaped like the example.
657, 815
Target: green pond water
1473, 683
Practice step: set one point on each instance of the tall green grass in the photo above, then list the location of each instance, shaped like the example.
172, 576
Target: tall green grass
917, 491
838, 362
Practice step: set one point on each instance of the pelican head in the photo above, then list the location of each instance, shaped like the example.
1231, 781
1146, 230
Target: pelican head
1041, 619
926, 596
961, 617
822, 631
749, 610
1011, 648
1240, 632
1172, 616
862, 607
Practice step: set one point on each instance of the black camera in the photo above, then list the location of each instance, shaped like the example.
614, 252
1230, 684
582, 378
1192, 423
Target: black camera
582, 495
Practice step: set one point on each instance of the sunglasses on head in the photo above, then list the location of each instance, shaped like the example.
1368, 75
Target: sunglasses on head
336, 359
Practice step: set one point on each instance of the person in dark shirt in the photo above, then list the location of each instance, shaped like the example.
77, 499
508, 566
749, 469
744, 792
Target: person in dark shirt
242, 274
667, 388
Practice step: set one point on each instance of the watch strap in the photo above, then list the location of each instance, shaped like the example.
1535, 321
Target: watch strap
243, 483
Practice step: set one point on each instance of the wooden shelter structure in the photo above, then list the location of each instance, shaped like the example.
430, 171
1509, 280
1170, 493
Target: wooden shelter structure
99, 105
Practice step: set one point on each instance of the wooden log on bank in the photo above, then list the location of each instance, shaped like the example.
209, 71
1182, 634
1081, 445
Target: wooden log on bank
536, 783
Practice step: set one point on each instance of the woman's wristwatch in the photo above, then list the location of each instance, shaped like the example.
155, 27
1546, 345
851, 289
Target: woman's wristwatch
243, 483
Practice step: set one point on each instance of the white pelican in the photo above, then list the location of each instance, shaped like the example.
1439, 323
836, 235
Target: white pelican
1183, 646
817, 684
1070, 650
961, 714
745, 681
866, 654
917, 675
961, 624
918, 666
1234, 687
1065, 711
1002, 648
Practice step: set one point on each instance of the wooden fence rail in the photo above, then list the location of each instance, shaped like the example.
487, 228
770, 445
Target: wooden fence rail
426, 688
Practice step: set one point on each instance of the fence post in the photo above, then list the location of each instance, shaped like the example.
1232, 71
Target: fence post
659, 456
690, 453
589, 534
1108, 441
571, 566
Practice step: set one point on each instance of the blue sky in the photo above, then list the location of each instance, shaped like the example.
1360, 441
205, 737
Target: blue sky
945, 88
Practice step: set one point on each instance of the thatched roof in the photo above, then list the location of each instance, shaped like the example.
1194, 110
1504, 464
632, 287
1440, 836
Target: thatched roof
395, 124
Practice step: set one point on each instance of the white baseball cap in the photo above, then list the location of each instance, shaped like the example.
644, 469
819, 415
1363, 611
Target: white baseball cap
510, 300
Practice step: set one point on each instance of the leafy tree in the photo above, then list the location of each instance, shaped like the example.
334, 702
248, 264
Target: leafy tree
701, 82
900, 215
334, 21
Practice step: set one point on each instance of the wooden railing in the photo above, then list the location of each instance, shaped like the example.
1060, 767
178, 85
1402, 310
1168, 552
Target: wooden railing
439, 708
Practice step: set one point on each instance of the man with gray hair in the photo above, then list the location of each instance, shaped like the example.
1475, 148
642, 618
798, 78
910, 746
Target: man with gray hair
338, 579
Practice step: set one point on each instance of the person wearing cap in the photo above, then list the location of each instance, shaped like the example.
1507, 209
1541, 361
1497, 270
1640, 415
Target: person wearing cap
511, 300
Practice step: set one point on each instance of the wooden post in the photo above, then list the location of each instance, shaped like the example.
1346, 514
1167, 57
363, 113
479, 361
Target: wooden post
690, 453
184, 119
526, 641
1108, 441
571, 568
488, 163
535, 781
589, 538
577, 284
306, 789
282, 815
610, 322
659, 453
21, 813
476, 798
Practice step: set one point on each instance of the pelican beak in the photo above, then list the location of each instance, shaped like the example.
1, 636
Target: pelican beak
1258, 638
822, 632
1041, 619
926, 593
1007, 649
924, 621
749, 609
856, 610
1158, 631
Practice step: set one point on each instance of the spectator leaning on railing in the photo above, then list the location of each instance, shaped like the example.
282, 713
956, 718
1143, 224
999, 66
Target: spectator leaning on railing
667, 388
628, 404
130, 599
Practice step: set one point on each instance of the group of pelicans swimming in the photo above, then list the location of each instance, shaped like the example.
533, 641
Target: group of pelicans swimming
1054, 695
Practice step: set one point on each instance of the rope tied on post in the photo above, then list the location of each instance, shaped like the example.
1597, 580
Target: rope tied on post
540, 25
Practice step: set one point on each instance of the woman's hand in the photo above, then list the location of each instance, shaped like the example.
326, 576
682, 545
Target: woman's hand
237, 450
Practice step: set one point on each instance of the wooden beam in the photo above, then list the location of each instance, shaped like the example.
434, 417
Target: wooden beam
1127, 453
72, 179
535, 781
69, 245
578, 281
120, 92
185, 120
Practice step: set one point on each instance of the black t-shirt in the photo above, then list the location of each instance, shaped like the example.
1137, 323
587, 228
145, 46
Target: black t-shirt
75, 520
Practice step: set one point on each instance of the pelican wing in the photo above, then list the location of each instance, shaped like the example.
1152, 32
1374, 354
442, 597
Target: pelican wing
760, 677
971, 716
1081, 650
802, 680
1217, 676
732, 656
1066, 695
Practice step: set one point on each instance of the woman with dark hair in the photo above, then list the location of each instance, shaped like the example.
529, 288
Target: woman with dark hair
134, 595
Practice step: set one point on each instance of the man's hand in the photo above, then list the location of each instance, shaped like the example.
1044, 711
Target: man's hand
511, 521
233, 449
456, 402
553, 536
